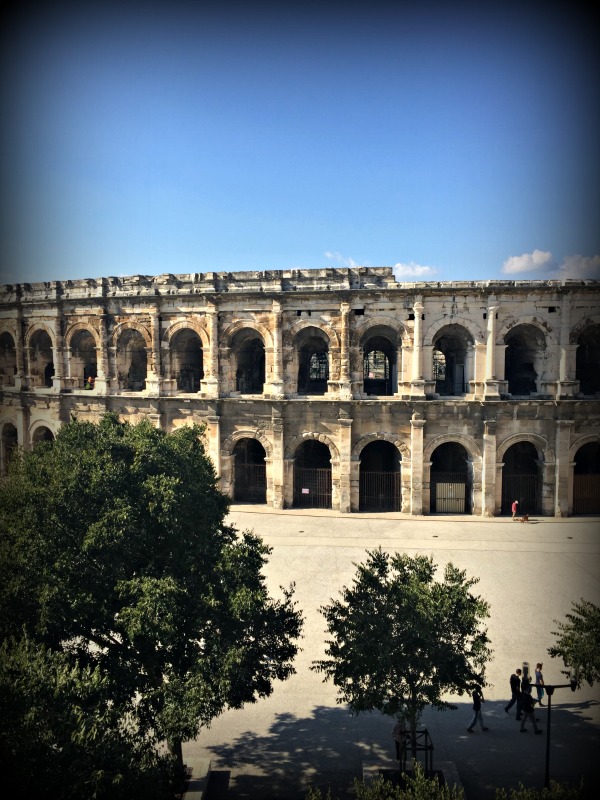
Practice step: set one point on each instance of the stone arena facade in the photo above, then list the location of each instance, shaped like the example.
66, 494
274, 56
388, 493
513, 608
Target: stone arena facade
332, 388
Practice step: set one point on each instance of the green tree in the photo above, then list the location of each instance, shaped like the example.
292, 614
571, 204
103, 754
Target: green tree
418, 787
578, 642
556, 791
401, 639
114, 553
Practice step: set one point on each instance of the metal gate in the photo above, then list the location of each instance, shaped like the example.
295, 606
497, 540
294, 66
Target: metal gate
380, 491
312, 488
449, 493
586, 494
250, 483
525, 489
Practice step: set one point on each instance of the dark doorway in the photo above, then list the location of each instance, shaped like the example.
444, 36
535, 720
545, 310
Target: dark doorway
587, 360
313, 362
42, 434
249, 352
450, 480
524, 349
250, 472
586, 480
379, 363
187, 366
521, 479
380, 487
8, 359
312, 475
450, 350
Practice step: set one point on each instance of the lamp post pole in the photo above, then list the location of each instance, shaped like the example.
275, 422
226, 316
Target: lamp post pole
550, 691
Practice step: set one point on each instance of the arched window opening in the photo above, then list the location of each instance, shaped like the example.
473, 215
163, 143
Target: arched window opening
452, 353
249, 351
451, 480
42, 434
586, 480
313, 362
132, 361
10, 442
379, 485
250, 472
41, 364
525, 347
379, 346
83, 357
312, 475
521, 479
187, 360
587, 360
8, 359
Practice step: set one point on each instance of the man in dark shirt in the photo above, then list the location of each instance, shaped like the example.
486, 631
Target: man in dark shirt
528, 708
515, 690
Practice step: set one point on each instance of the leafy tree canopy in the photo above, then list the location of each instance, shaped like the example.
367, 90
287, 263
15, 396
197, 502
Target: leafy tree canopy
115, 554
578, 642
401, 639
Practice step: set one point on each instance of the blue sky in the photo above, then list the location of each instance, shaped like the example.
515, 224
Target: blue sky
453, 141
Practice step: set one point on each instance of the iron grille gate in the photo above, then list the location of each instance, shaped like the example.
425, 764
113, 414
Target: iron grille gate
525, 489
250, 483
449, 492
586, 494
380, 491
312, 488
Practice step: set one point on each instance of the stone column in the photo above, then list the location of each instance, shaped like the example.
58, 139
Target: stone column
20, 377
277, 499
567, 385
488, 478
210, 383
277, 376
417, 382
345, 390
102, 378
58, 355
491, 383
213, 436
417, 425
153, 379
563, 467
345, 448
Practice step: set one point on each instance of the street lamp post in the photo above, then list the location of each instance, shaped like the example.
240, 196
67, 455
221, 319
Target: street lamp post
572, 685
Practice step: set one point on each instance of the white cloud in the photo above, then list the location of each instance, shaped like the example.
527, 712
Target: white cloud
527, 262
333, 255
580, 267
413, 270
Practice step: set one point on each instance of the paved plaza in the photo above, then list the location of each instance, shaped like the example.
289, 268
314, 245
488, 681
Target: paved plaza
529, 573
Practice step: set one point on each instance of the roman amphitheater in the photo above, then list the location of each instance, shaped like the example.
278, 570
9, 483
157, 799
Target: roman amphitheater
331, 388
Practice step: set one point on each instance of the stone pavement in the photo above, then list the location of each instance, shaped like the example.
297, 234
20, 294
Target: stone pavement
300, 736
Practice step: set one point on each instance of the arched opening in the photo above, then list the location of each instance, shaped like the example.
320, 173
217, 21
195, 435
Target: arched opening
521, 479
586, 479
249, 352
42, 434
379, 485
10, 442
587, 360
313, 361
187, 361
82, 357
525, 347
451, 480
132, 361
41, 364
379, 363
250, 472
8, 359
312, 475
452, 353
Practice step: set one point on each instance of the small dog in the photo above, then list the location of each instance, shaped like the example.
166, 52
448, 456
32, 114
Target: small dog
525, 518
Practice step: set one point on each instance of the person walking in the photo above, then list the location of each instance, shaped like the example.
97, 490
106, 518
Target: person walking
539, 682
514, 508
528, 708
477, 701
515, 691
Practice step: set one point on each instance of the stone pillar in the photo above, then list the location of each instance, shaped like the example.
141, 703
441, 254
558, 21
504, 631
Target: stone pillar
20, 377
153, 378
417, 382
567, 384
58, 356
277, 377
345, 448
563, 467
491, 383
417, 426
209, 385
277, 462
213, 436
102, 378
22, 426
345, 390
488, 478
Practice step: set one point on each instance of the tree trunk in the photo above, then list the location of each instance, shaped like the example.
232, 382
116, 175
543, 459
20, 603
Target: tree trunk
176, 750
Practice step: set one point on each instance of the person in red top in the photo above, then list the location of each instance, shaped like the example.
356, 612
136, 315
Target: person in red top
515, 508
